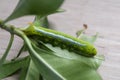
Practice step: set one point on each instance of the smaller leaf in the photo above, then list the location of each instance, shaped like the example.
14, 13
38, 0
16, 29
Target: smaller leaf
81, 35
90, 39
10, 67
29, 72
80, 32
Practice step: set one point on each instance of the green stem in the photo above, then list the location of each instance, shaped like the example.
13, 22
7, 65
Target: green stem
11, 29
7, 50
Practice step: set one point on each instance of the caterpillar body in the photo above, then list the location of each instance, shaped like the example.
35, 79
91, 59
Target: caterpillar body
61, 40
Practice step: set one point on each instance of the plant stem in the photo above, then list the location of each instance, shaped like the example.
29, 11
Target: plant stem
7, 50
11, 29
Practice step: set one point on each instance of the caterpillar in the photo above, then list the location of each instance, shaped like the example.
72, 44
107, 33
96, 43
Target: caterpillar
59, 39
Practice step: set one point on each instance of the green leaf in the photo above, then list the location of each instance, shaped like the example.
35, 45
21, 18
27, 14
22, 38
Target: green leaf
29, 72
10, 67
76, 68
70, 69
81, 35
93, 62
90, 39
35, 7
42, 21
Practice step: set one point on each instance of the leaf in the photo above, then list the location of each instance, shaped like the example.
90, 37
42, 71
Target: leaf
90, 39
34, 7
10, 67
81, 35
68, 68
93, 62
43, 20
29, 72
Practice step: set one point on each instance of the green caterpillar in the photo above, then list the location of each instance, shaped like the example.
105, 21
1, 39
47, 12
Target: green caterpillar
61, 40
